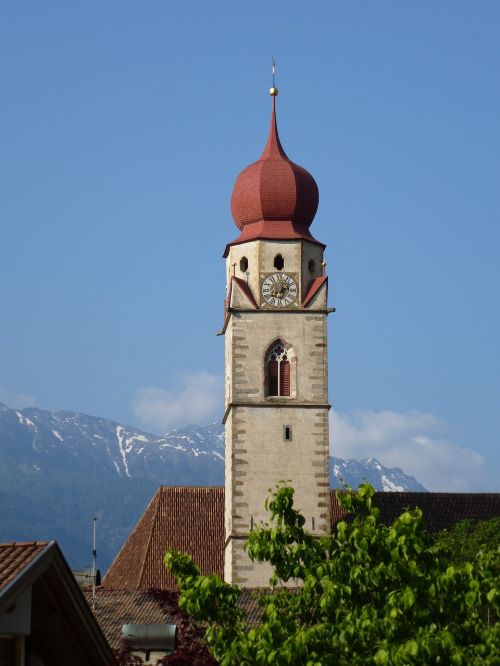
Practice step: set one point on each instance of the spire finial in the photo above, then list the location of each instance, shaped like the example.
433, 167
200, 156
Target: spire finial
273, 91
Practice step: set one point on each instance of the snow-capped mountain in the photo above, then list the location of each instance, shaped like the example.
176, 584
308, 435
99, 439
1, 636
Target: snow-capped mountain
388, 479
86, 444
69, 441
59, 469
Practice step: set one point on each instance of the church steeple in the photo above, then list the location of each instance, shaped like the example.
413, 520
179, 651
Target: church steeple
274, 198
276, 364
273, 147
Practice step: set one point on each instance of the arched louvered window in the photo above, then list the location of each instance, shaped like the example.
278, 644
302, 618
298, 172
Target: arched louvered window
278, 371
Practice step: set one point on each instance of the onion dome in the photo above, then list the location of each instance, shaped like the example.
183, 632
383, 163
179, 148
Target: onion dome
274, 198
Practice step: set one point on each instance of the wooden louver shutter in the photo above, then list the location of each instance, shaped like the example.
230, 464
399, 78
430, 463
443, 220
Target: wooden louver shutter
285, 378
273, 378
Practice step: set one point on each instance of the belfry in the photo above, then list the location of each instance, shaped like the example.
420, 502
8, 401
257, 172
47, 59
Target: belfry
276, 364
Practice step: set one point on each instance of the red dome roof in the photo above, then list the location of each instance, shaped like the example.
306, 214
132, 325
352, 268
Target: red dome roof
273, 197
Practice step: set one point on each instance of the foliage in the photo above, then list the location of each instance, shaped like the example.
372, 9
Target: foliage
191, 650
465, 539
123, 656
367, 594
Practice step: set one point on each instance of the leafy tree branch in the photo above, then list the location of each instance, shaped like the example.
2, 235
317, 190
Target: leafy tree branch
367, 594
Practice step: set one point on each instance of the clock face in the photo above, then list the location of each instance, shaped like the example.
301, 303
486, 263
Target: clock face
279, 290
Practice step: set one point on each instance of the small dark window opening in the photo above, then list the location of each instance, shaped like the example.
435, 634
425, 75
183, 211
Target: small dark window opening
279, 262
313, 522
287, 433
243, 264
312, 266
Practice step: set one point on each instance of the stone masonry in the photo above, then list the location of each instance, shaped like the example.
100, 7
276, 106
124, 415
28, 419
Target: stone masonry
257, 454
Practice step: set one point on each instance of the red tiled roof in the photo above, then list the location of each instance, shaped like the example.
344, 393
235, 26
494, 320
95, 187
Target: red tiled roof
191, 519
274, 198
114, 608
249, 602
441, 510
313, 289
274, 188
62, 627
15, 556
245, 289
284, 229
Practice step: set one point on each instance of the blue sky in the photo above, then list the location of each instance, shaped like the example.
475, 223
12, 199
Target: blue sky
123, 126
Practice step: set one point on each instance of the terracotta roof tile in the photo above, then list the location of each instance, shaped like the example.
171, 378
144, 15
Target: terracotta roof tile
249, 602
245, 289
441, 510
15, 556
274, 188
272, 231
114, 608
313, 288
191, 519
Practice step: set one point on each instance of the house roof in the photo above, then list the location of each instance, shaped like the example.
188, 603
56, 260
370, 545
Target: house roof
63, 629
191, 519
15, 557
441, 510
187, 518
114, 608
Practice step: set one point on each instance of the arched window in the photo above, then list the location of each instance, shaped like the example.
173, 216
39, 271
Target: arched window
243, 264
278, 370
312, 266
279, 262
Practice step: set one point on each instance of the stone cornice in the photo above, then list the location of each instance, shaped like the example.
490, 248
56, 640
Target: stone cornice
302, 311
273, 402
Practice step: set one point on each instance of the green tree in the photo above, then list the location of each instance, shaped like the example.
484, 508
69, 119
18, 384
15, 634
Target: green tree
466, 538
367, 594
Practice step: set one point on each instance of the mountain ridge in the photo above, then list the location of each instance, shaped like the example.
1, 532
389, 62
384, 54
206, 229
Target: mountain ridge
59, 469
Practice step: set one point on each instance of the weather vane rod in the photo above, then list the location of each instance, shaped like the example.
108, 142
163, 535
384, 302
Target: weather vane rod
273, 91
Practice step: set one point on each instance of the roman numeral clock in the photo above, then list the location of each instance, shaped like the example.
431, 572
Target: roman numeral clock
276, 369
279, 290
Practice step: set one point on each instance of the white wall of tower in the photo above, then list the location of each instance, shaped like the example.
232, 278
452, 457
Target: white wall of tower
257, 454
260, 255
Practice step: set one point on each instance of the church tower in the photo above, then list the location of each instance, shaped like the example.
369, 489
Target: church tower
276, 366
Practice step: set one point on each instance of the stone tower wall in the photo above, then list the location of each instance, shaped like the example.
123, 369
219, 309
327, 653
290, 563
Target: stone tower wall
257, 454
